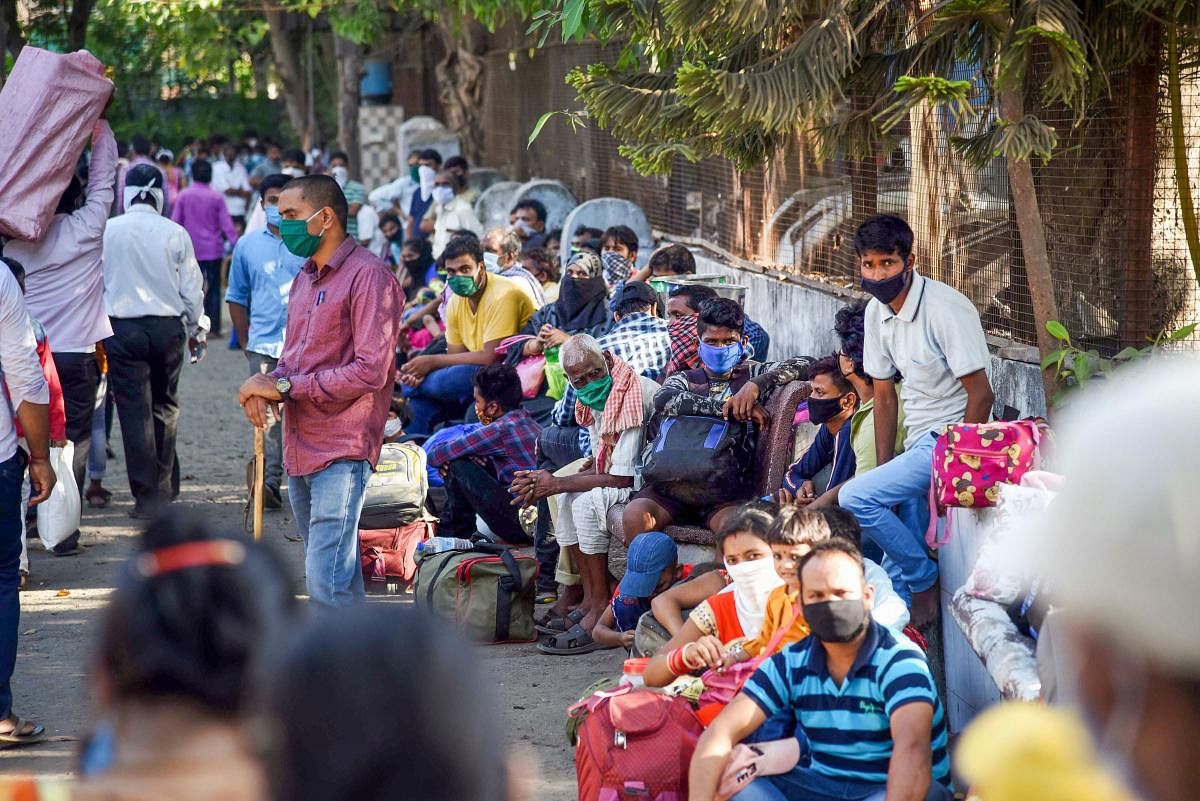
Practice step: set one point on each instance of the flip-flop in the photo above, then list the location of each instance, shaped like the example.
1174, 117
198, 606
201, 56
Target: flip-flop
575, 640
98, 497
13, 739
557, 625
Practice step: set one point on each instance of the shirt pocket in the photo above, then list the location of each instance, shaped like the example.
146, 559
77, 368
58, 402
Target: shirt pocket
929, 374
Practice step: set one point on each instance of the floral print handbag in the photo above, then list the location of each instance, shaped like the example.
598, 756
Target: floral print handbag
972, 460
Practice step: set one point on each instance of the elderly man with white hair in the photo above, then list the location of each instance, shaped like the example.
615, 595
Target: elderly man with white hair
502, 254
1121, 546
614, 403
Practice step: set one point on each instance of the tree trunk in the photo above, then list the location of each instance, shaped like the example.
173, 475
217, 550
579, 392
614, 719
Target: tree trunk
1140, 317
77, 23
349, 68
285, 47
460, 83
10, 35
1033, 241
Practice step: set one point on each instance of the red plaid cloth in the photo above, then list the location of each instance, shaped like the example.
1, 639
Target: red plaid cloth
685, 345
622, 411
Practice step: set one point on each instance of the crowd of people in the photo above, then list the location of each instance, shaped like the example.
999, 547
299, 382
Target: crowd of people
549, 400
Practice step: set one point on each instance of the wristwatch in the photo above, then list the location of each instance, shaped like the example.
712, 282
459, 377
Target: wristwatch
284, 387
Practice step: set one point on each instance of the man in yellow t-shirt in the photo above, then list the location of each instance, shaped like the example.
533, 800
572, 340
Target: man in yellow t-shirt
484, 309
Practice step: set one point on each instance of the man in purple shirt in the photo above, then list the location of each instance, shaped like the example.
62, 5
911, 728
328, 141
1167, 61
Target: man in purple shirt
335, 376
201, 210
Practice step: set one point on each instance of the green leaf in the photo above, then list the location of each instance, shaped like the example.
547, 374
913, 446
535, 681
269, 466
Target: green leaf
537, 129
1083, 369
1053, 357
1058, 330
1128, 354
1181, 333
572, 19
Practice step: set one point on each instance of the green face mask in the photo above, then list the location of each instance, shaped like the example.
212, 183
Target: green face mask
595, 394
414, 174
296, 237
463, 285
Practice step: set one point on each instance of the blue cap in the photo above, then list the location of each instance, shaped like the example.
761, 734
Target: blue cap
649, 555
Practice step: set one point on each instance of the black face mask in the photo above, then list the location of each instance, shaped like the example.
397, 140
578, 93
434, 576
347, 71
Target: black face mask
888, 289
836, 621
822, 410
397, 237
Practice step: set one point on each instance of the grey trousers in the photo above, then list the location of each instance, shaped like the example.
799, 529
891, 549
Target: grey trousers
274, 442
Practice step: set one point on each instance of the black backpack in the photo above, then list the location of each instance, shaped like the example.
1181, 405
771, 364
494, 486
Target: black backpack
703, 461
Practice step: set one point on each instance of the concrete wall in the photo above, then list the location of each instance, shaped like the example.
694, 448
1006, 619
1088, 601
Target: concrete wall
798, 314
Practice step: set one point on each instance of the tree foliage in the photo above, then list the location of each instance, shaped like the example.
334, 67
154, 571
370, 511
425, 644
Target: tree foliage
740, 79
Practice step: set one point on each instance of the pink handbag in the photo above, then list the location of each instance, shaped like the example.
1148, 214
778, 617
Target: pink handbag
721, 687
531, 369
971, 460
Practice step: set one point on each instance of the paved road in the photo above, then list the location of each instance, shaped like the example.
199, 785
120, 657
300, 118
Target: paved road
66, 597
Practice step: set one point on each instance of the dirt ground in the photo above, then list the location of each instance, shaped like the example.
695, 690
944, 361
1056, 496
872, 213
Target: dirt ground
65, 597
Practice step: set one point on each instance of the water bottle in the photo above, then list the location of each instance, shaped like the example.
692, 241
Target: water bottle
439, 544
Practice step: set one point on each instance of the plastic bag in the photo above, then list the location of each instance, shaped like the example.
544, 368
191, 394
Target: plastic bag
556, 377
48, 107
58, 515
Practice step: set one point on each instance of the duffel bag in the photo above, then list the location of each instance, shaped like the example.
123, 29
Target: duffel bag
487, 591
388, 555
704, 461
396, 491
635, 744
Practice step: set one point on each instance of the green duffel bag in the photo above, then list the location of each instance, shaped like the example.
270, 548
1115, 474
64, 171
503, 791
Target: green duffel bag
487, 592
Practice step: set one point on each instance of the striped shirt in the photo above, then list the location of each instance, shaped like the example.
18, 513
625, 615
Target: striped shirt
849, 727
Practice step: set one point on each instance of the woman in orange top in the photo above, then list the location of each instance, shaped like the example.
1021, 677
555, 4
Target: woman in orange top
733, 614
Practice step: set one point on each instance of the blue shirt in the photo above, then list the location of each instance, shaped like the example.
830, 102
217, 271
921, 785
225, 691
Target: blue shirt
826, 449
848, 728
260, 278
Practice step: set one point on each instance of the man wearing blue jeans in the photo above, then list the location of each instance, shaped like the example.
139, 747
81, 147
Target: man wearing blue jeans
485, 309
30, 396
864, 702
334, 378
926, 335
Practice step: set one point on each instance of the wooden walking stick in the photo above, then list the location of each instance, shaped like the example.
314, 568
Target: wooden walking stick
259, 467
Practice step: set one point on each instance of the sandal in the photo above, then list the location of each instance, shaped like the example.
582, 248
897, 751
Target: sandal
98, 497
573, 641
16, 738
557, 625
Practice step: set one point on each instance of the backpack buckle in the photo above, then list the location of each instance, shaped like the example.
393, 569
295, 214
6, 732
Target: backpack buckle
619, 739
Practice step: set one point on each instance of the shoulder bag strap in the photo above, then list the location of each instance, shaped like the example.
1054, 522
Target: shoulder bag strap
777, 638
506, 588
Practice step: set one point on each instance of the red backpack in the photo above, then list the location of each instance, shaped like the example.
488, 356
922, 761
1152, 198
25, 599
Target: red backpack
636, 745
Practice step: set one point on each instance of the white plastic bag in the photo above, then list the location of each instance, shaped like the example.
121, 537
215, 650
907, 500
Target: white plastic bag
58, 515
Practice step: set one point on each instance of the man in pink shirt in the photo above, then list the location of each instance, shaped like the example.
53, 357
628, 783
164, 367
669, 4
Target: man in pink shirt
335, 377
201, 210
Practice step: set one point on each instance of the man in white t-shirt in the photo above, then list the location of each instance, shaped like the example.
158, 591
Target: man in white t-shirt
614, 403
928, 334
229, 178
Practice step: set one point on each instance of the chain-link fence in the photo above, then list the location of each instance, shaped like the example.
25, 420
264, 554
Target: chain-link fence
1109, 200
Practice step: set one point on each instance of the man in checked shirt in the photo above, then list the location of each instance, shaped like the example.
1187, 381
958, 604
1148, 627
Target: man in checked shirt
479, 465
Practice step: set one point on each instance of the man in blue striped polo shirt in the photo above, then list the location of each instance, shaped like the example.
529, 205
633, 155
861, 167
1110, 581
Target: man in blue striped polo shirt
863, 698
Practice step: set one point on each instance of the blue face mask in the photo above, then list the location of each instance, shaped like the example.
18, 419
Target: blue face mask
721, 359
273, 216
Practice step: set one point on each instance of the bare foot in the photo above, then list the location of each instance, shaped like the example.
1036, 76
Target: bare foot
568, 600
925, 607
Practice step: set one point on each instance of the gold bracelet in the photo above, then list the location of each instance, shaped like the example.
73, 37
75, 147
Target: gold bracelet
683, 656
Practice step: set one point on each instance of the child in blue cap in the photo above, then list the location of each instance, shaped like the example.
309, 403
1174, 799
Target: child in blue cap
651, 568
